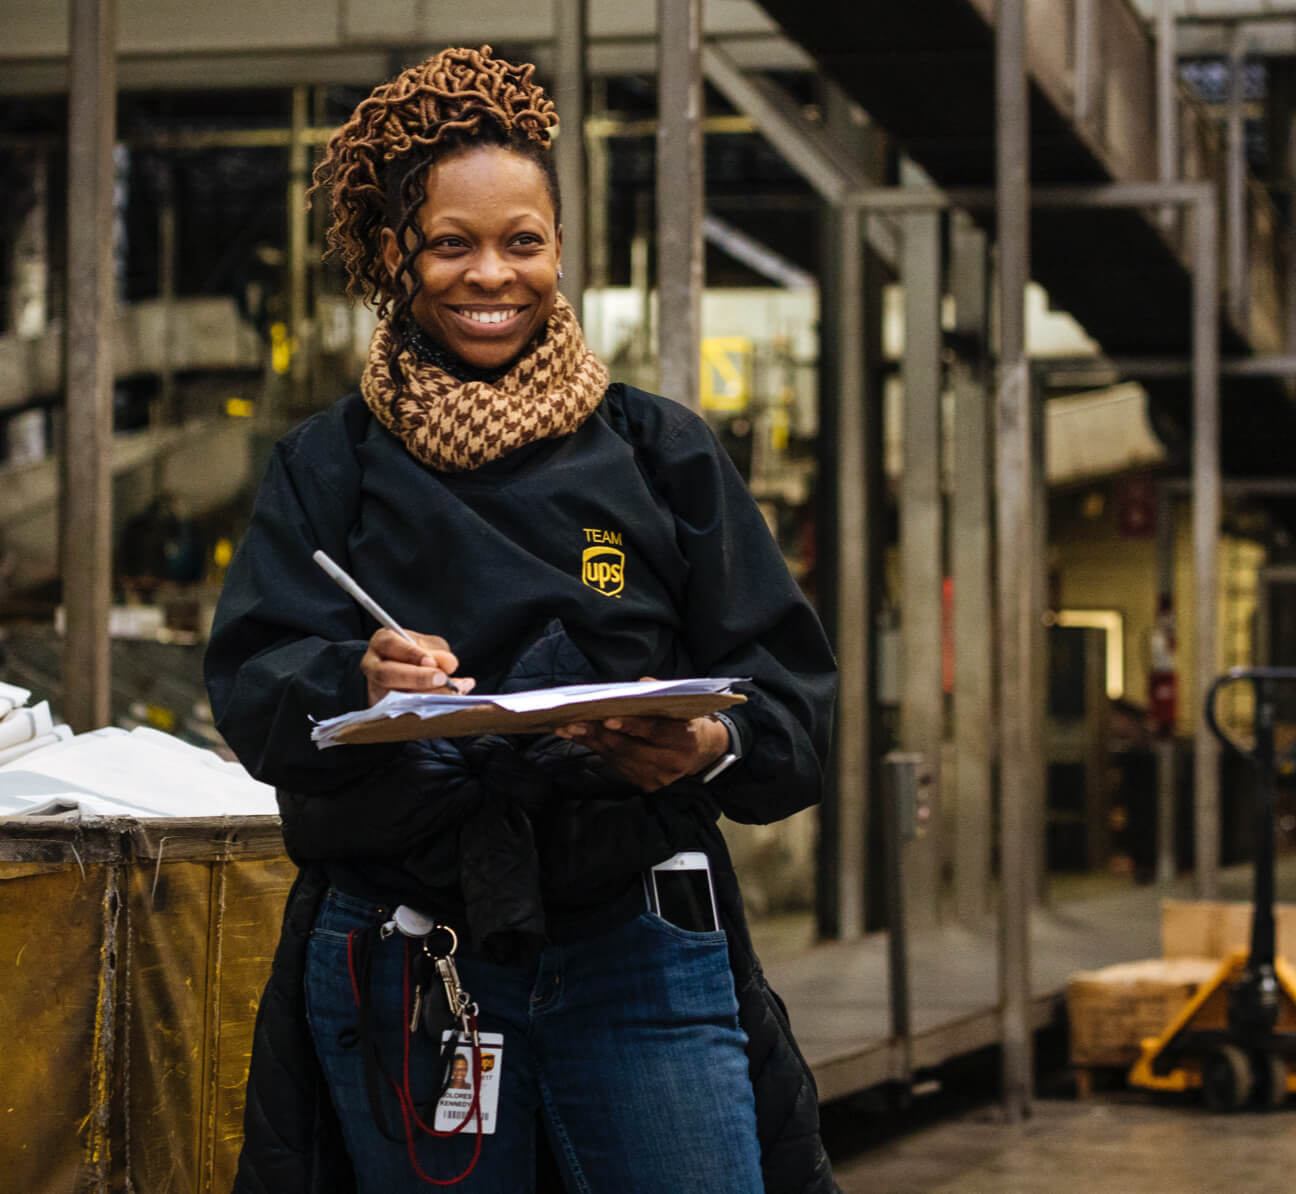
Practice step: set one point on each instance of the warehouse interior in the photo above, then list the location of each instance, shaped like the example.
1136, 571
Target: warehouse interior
997, 320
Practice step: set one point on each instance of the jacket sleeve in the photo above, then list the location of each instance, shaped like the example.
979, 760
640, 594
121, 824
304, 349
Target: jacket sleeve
286, 642
744, 615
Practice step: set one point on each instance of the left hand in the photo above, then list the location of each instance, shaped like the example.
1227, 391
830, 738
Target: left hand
652, 752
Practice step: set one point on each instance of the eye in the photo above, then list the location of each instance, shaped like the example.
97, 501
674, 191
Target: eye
528, 240
448, 244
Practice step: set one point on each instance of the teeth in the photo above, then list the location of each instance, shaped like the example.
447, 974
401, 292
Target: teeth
498, 316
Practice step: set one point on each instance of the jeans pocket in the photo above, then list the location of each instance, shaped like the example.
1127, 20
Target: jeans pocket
660, 924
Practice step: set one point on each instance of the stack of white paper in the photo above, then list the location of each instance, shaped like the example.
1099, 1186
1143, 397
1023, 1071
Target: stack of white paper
24, 729
143, 773
429, 706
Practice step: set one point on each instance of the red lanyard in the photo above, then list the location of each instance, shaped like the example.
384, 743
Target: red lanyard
404, 1097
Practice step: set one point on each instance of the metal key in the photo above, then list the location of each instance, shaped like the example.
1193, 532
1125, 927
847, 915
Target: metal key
422, 976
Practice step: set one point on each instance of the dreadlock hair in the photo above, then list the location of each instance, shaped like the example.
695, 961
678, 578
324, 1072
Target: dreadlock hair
375, 167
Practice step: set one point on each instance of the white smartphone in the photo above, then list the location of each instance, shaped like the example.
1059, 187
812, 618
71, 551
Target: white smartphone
680, 891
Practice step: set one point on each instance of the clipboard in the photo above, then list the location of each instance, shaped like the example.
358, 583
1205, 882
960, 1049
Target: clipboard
491, 719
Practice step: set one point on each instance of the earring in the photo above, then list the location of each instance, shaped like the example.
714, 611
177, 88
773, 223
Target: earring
560, 272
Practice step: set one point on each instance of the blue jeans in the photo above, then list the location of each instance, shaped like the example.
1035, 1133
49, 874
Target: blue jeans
626, 1047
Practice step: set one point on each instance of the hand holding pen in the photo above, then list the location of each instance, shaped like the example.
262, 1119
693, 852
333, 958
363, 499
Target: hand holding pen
399, 660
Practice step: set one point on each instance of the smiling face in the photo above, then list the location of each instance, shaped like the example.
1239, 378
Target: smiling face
489, 272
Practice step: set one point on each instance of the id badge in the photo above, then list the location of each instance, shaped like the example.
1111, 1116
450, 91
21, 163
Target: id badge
455, 1105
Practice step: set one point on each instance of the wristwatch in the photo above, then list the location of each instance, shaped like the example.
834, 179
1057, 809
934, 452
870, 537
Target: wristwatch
732, 755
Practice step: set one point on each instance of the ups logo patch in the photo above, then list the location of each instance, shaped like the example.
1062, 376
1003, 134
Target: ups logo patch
603, 568
603, 562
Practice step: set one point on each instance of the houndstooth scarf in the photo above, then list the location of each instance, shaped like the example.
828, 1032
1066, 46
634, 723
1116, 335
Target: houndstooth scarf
456, 426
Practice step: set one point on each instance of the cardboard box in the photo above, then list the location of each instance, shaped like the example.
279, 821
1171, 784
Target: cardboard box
1215, 928
1111, 1010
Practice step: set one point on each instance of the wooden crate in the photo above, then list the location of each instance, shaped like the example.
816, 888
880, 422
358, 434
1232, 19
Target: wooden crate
1215, 928
1111, 1010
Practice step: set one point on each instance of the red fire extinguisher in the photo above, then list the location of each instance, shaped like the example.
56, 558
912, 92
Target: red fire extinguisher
1163, 682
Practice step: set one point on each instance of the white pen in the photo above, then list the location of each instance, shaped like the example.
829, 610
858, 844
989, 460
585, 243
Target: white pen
343, 577
347, 581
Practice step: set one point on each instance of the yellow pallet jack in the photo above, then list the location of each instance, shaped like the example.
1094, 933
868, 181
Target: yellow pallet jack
1236, 1037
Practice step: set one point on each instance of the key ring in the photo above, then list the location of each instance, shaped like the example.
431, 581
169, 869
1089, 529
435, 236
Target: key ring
454, 942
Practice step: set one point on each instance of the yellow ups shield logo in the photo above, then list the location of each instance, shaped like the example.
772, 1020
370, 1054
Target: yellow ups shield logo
603, 568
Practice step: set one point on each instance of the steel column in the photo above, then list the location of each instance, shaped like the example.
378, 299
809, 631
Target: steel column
569, 149
1165, 746
1084, 89
598, 167
901, 781
853, 640
922, 701
680, 249
1239, 302
298, 229
1205, 519
1167, 105
164, 410
971, 544
1036, 705
1014, 491
86, 514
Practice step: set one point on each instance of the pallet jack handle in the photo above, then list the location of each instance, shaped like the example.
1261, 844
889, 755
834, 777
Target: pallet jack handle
1264, 680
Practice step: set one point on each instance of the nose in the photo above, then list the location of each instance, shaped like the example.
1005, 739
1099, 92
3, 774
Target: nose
489, 269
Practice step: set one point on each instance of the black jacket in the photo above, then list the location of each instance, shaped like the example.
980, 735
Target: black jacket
628, 548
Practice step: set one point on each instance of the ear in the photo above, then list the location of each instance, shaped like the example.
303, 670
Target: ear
391, 252
558, 244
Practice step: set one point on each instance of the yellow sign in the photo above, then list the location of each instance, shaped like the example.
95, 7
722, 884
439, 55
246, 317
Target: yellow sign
726, 372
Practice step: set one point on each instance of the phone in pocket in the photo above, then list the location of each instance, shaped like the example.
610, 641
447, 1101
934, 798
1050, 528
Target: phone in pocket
680, 891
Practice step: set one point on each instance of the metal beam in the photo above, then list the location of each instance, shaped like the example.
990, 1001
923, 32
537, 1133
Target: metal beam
1242, 486
364, 66
810, 150
1082, 195
1231, 16
803, 146
1206, 519
922, 569
569, 151
598, 181
971, 545
1238, 287
298, 236
1165, 746
1037, 571
1085, 90
1167, 106
86, 517
845, 305
1014, 491
680, 260
1085, 372
1271, 39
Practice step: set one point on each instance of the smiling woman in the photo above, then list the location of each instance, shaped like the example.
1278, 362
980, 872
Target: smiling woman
518, 514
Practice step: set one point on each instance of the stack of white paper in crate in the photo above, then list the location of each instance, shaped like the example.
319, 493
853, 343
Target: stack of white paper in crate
24, 728
46, 770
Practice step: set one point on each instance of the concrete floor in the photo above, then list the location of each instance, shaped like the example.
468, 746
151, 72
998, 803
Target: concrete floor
1122, 1143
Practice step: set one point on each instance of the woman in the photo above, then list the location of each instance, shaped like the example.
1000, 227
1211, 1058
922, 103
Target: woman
533, 525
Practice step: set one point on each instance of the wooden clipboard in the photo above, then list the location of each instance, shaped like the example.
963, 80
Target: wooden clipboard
491, 719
